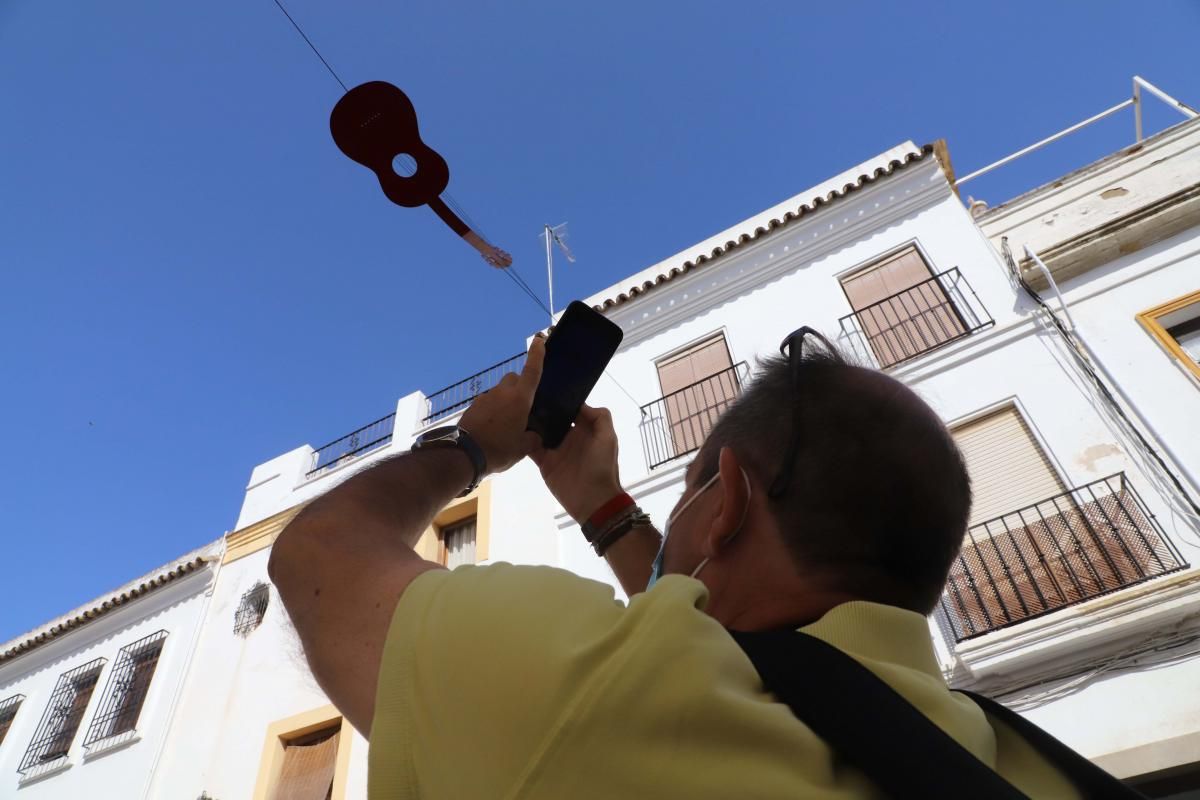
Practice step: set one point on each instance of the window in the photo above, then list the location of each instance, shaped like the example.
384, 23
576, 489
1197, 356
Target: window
1034, 545
1008, 468
8, 712
305, 757
128, 684
697, 384
901, 308
458, 543
251, 609
308, 766
1176, 326
63, 715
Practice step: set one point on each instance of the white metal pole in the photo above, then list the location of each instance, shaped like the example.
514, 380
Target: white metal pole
1137, 109
549, 234
1182, 108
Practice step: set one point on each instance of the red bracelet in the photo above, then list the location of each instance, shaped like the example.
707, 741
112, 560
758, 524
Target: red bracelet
605, 513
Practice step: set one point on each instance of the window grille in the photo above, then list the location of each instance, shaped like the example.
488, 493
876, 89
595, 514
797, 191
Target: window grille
8, 712
251, 609
63, 714
125, 693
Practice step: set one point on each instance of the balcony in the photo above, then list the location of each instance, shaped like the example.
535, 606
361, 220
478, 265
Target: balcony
457, 396
341, 451
924, 317
676, 424
1069, 548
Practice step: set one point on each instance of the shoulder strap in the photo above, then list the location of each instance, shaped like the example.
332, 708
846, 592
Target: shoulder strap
866, 723
870, 726
1090, 779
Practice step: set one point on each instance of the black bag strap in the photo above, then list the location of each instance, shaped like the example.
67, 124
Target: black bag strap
871, 727
1091, 780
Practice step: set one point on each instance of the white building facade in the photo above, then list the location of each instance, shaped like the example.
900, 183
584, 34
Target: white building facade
1074, 598
86, 701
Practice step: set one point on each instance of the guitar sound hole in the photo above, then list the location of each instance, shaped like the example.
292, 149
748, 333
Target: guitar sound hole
404, 165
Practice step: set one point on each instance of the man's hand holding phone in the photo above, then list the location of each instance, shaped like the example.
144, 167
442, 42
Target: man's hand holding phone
582, 472
497, 419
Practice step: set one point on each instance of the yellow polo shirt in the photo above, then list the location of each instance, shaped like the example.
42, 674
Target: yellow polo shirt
531, 682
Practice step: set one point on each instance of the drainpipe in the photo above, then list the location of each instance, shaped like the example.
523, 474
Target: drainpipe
187, 669
1159, 439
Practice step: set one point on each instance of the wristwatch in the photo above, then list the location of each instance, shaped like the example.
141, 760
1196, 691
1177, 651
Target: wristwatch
454, 436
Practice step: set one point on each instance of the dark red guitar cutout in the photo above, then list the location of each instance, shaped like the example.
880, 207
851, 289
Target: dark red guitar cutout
375, 122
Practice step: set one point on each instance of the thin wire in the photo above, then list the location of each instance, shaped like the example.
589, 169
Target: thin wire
310, 44
511, 272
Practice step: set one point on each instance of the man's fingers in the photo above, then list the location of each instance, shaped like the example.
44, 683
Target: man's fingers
531, 375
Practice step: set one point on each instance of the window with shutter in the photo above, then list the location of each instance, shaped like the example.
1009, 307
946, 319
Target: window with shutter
697, 384
902, 309
62, 716
308, 767
1176, 326
8, 712
128, 685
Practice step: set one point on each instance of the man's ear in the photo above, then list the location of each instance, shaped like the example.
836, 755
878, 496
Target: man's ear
732, 508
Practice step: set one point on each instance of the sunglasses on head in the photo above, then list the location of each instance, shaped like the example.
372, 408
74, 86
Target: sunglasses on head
792, 346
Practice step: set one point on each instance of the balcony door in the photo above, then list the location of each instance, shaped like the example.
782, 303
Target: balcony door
901, 308
697, 384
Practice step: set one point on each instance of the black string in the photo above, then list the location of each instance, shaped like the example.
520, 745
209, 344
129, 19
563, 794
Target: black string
310, 44
511, 272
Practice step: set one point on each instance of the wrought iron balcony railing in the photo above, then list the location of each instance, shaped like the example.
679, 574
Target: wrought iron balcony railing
676, 424
369, 437
921, 318
1072, 547
457, 396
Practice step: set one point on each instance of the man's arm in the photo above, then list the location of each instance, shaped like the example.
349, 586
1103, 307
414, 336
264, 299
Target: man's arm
342, 564
582, 475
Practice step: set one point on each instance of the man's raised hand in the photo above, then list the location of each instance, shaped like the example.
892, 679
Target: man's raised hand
582, 472
497, 418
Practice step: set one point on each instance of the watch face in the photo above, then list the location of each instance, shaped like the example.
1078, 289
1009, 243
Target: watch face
448, 433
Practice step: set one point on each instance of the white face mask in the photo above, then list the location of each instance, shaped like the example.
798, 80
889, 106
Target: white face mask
656, 570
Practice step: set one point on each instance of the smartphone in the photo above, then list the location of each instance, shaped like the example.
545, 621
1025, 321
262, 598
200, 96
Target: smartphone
577, 351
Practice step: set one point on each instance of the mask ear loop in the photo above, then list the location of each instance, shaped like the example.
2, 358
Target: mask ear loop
741, 524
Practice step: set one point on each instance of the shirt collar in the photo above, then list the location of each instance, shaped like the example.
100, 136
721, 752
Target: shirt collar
877, 632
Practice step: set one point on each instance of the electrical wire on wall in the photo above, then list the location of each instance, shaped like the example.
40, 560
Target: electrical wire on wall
1165, 481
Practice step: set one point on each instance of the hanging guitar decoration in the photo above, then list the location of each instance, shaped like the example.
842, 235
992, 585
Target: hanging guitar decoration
375, 123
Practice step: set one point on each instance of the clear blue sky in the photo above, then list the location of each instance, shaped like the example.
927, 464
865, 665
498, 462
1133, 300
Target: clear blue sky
196, 280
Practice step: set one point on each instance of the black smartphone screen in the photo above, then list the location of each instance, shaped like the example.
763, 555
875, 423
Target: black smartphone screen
577, 351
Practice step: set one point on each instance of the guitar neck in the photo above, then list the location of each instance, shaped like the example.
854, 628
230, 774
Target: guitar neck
449, 217
493, 255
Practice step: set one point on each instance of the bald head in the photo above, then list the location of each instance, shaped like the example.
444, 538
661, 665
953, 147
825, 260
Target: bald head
878, 497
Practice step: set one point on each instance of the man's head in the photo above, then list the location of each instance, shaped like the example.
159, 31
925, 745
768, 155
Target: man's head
874, 508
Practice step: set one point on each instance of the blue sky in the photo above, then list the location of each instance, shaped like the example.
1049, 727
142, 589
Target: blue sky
196, 280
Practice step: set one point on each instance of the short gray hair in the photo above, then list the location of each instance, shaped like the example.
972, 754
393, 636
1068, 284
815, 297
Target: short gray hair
879, 495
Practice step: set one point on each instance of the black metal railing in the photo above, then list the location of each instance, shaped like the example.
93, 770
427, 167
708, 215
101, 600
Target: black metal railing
251, 609
62, 716
8, 712
921, 318
125, 694
676, 424
1072, 547
457, 396
369, 437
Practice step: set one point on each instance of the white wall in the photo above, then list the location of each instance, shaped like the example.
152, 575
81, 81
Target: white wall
122, 772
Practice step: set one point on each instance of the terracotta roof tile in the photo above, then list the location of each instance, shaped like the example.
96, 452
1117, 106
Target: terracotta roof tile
808, 208
112, 603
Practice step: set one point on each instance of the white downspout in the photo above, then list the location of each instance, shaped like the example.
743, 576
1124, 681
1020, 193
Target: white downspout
193, 645
1159, 439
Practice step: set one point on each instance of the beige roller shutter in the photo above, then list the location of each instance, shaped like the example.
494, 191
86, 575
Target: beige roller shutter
1007, 467
698, 387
